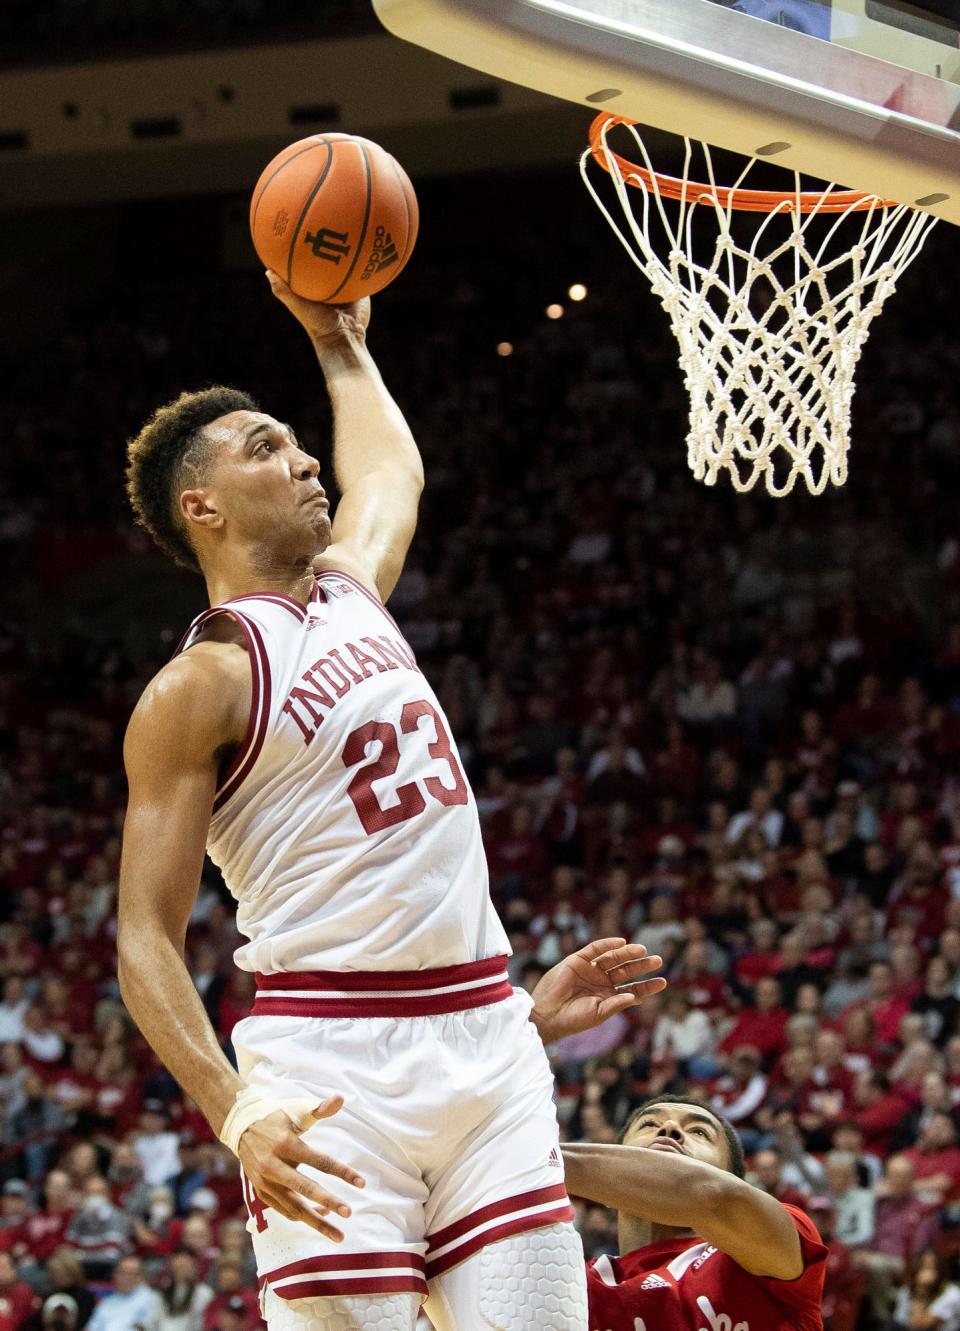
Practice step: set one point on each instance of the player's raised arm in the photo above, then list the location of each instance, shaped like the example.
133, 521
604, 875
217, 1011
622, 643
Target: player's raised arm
376, 461
665, 1187
187, 722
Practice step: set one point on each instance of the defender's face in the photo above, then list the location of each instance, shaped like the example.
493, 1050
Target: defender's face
681, 1130
264, 485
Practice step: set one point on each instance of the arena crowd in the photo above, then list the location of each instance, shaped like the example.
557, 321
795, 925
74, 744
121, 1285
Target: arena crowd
722, 726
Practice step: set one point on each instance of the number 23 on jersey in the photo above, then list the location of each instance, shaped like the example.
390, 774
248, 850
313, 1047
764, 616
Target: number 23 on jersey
410, 800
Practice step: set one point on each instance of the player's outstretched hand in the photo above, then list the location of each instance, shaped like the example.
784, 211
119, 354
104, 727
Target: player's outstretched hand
322, 322
271, 1151
590, 986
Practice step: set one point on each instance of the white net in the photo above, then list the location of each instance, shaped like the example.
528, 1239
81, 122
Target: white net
770, 318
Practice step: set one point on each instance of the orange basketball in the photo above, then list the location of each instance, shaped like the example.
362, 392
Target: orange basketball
335, 216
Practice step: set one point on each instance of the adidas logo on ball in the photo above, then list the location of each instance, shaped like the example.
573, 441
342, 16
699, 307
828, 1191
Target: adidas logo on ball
383, 254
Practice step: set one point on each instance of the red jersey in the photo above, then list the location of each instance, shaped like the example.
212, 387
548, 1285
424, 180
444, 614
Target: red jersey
17, 1303
766, 1031
684, 1283
928, 1163
706, 991
44, 1232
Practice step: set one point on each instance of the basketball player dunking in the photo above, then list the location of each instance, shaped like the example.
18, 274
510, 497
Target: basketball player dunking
294, 737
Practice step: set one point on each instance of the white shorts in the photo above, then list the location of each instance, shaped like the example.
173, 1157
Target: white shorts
448, 1114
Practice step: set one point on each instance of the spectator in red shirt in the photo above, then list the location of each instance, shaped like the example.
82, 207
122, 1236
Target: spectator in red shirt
229, 1285
235, 1001
830, 1070
518, 856
66, 1014
936, 1160
884, 1004
907, 977
615, 776
762, 956
859, 1039
706, 988
877, 1110
75, 1087
905, 804
919, 900
43, 1232
915, 1077
740, 1092
678, 768
125, 1176
816, 1108
233, 1315
762, 1026
17, 1300
119, 1094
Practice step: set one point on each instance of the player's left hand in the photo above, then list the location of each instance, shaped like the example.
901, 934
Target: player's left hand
322, 322
590, 986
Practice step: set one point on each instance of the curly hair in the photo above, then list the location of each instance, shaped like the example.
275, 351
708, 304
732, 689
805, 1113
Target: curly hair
169, 452
737, 1163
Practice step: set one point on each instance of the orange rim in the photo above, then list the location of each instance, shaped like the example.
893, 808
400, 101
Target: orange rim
741, 200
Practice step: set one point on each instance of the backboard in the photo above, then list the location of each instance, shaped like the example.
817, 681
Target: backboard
865, 93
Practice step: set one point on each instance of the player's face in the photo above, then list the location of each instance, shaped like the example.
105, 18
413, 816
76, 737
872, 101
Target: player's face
265, 486
681, 1129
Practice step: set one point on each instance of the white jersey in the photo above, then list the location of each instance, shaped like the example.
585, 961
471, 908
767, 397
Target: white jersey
345, 826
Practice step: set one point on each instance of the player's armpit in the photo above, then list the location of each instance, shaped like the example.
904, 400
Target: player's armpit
188, 717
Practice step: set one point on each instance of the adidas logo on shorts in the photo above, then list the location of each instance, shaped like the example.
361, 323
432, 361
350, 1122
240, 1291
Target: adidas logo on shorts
653, 1281
554, 1159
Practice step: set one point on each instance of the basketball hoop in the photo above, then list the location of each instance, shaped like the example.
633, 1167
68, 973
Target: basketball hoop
769, 352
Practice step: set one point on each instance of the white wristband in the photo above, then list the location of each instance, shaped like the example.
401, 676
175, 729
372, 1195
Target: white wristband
252, 1105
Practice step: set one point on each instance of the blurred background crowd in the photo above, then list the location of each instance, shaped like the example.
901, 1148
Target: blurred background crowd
722, 726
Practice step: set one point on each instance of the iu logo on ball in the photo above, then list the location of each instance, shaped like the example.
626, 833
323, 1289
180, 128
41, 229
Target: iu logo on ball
327, 244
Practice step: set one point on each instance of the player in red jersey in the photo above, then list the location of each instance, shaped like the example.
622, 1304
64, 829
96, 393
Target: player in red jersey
703, 1250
